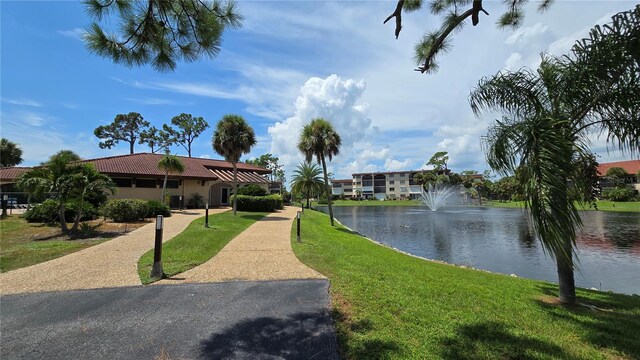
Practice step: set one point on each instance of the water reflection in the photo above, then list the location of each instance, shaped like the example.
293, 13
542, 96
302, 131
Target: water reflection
502, 240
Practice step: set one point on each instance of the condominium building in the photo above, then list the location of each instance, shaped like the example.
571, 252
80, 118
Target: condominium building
379, 185
343, 188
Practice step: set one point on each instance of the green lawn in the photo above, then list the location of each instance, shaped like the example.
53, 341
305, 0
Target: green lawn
604, 205
388, 305
24, 244
197, 244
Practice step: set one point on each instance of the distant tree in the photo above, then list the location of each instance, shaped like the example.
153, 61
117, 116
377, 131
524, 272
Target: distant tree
169, 164
232, 138
160, 32
307, 180
318, 139
454, 15
157, 140
617, 176
270, 162
188, 129
125, 127
439, 161
10, 153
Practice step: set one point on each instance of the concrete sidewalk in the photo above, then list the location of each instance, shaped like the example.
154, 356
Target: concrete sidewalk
110, 264
261, 252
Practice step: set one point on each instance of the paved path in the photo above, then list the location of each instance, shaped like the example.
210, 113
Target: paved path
233, 320
261, 252
110, 264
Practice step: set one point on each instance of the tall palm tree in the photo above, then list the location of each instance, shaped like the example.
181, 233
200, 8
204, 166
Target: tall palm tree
318, 139
232, 138
170, 164
88, 180
306, 180
548, 115
10, 153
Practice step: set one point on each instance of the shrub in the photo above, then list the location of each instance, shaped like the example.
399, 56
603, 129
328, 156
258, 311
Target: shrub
124, 210
47, 212
196, 201
155, 208
259, 203
619, 194
252, 190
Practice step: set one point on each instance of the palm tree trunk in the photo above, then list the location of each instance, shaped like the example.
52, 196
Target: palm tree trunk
308, 200
63, 221
235, 187
326, 189
164, 186
566, 280
76, 222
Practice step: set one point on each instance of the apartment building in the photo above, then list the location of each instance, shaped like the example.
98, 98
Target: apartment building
342, 188
379, 185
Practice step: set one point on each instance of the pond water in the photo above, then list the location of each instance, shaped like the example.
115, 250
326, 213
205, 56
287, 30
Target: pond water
501, 240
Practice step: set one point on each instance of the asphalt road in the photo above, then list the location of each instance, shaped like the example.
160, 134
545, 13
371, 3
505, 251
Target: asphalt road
234, 320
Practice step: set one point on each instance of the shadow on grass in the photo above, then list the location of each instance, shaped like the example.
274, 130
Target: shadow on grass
299, 336
365, 347
613, 325
493, 340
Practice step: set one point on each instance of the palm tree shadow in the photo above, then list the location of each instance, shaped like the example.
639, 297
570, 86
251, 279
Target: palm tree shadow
299, 336
494, 340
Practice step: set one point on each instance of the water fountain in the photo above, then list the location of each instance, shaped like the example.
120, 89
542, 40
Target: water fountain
436, 195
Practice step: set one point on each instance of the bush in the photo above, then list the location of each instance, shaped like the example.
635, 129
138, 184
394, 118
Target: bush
196, 201
259, 203
125, 210
619, 194
252, 190
155, 208
47, 212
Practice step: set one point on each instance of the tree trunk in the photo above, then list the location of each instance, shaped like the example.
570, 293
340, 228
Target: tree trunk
131, 143
565, 276
308, 200
326, 189
189, 150
63, 221
164, 186
235, 187
76, 222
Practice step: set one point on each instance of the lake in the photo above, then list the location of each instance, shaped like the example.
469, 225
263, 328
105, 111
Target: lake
501, 240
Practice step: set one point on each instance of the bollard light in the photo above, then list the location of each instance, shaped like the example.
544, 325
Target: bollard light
159, 222
206, 215
156, 270
298, 231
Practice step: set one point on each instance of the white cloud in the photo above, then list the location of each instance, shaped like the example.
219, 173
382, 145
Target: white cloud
524, 34
396, 165
23, 102
563, 45
77, 33
151, 101
513, 62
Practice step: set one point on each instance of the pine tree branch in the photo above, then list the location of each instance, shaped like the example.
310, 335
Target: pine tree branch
397, 13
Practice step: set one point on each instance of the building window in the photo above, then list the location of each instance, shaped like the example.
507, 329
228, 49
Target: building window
392, 189
403, 189
392, 175
402, 182
122, 182
173, 184
145, 183
402, 175
391, 182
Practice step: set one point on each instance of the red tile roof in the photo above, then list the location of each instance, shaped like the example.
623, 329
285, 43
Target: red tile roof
12, 173
630, 166
146, 164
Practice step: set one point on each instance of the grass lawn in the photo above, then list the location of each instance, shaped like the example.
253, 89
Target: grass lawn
23, 244
604, 205
388, 305
197, 244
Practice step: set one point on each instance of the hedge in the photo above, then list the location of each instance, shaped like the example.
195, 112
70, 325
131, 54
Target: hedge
48, 211
125, 210
259, 203
156, 208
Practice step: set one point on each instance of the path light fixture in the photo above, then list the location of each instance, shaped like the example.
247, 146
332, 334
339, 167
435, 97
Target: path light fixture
206, 215
298, 232
5, 199
156, 270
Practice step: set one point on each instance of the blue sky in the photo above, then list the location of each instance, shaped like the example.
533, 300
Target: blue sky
289, 63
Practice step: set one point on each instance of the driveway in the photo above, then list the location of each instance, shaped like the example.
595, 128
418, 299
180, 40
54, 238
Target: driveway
233, 320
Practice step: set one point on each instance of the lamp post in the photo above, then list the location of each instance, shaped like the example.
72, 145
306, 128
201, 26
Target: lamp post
180, 203
156, 270
298, 231
206, 215
5, 198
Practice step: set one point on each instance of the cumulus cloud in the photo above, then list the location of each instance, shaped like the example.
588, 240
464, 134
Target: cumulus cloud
524, 34
513, 62
396, 165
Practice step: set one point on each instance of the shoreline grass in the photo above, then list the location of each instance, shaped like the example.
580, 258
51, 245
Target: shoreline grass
197, 244
603, 205
390, 305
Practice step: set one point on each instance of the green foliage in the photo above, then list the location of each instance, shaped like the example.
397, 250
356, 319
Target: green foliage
188, 129
619, 194
157, 140
270, 162
10, 153
233, 137
252, 190
125, 127
125, 210
306, 181
155, 208
267, 203
160, 32
439, 160
48, 212
196, 201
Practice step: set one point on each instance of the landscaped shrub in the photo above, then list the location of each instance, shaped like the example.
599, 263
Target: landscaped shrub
252, 190
47, 212
155, 208
125, 210
619, 194
196, 201
259, 203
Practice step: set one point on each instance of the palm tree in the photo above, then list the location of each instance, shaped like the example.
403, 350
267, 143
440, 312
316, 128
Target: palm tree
548, 115
318, 139
232, 138
55, 175
10, 153
88, 180
306, 180
170, 164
